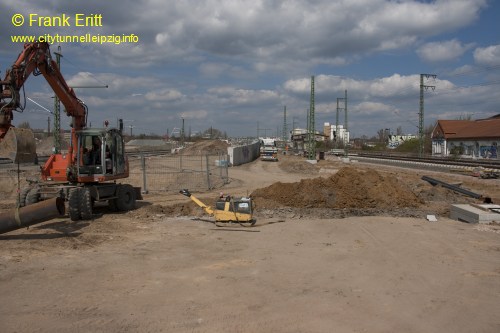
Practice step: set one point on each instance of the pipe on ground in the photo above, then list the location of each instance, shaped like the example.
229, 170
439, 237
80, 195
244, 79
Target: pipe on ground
32, 214
434, 182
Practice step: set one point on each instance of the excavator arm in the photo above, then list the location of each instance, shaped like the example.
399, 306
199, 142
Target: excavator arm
36, 59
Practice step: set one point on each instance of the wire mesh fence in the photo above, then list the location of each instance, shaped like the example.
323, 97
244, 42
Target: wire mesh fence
170, 173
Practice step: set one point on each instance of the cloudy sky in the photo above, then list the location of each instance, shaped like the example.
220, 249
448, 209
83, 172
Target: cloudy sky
234, 65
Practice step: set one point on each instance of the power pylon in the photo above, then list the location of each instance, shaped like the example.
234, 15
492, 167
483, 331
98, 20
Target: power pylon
337, 124
311, 132
421, 134
285, 136
57, 110
346, 131
344, 139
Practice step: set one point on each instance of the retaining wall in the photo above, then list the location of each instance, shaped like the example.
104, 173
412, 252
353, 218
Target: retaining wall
243, 154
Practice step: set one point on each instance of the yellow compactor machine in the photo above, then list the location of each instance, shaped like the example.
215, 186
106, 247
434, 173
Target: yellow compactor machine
227, 209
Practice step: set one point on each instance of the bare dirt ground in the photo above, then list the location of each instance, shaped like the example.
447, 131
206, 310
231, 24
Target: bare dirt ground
348, 252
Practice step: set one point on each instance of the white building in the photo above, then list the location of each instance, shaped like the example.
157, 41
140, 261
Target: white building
331, 135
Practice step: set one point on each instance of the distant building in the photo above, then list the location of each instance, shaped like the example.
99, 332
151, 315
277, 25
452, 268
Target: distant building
331, 134
300, 138
470, 138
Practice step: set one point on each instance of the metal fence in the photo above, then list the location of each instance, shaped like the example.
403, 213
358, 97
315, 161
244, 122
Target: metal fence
174, 172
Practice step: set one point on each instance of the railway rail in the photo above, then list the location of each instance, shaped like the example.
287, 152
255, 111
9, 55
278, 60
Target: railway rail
430, 162
393, 159
43, 158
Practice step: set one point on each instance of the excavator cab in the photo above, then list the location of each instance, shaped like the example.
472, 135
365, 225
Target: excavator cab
18, 145
101, 153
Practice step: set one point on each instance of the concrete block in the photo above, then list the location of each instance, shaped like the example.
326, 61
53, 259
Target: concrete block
475, 214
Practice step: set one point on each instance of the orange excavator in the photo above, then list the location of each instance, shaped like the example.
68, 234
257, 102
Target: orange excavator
95, 160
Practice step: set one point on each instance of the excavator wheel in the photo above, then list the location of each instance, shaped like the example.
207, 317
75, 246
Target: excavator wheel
125, 200
85, 204
21, 199
33, 196
74, 204
112, 205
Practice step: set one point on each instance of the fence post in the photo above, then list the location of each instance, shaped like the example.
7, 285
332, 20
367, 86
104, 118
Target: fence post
221, 165
208, 172
144, 180
226, 169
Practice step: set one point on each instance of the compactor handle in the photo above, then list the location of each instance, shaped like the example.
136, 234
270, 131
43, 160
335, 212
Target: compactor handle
185, 192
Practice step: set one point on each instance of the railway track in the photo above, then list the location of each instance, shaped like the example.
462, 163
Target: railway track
43, 158
391, 159
430, 162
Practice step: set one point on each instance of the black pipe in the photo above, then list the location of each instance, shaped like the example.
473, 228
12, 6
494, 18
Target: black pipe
434, 182
32, 214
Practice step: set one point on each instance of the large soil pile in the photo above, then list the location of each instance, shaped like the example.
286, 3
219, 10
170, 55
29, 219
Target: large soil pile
206, 147
44, 146
348, 188
298, 165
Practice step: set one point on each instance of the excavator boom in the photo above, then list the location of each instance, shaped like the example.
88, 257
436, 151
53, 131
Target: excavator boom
95, 159
35, 58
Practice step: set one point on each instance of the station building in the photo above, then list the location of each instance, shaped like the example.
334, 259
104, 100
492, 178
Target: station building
467, 138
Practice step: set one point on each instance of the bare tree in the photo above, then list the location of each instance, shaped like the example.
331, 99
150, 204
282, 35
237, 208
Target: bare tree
381, 134
24, 124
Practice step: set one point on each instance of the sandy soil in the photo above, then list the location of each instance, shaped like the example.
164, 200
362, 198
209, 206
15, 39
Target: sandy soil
308, 265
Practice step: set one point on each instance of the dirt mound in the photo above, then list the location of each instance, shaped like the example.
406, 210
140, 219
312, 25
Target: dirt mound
348, 188
158, 211
44, 146
204, 147
298, 166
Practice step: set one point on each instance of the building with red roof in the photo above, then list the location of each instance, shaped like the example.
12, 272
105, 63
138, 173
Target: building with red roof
472, 138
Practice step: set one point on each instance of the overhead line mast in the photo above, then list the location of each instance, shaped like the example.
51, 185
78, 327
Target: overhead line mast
311, 132
346, 131
421, 134
57, 110
285, 136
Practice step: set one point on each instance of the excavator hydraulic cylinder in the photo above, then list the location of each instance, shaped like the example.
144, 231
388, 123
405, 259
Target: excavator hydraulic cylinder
32, 214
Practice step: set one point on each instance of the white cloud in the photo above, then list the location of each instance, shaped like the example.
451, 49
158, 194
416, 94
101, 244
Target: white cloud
199, 114
395, 85
373, 108
261, 31
222, 61
163, 95
443, 51
487, 56
235, 96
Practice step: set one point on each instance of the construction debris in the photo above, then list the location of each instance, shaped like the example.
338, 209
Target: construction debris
485, 213
431, 218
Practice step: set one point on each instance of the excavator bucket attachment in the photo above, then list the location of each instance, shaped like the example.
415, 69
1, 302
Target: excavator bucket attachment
18, 145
